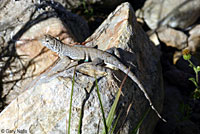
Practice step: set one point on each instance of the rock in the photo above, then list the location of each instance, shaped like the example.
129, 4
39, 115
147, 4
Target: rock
178, 78
194, 40
172, 37
14, 22
32, 49
44, 106
174, 13
24, 23
154, 38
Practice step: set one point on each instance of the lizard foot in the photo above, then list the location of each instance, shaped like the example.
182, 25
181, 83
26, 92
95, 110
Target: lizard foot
113, 51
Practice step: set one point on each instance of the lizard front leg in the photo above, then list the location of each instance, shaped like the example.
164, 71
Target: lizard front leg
114, 51
98, 61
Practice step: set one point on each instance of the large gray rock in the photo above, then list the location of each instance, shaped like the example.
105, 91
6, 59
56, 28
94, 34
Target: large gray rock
175, 13
194, 39
172, 37
26, 20
44, 106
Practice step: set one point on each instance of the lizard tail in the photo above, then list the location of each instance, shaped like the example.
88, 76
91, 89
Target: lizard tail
135, 79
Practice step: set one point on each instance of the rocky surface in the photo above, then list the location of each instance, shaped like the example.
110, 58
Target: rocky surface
25, 21
194, 40
174, 13
180, 109
43, 107
172, 37
175, 28
179, 106
177, 113
177, 40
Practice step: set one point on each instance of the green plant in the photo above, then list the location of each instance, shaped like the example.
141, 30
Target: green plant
109, 124
88, 10
195, 80
70, 107
111, 114
136, 130
101, 105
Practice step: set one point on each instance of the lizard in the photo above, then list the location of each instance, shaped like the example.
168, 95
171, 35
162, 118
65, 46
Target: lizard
79, 52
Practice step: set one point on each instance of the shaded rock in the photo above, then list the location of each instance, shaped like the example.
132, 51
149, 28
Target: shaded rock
175, 13
72, 4
187, 127
177, 113
172, 37
171, 111
183, 65
196, 117
178, 78
177, 55
35, 13
22, 57
111, 3
44, 106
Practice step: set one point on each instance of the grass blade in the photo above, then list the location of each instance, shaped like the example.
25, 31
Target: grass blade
102, 110
80, 122
70, 107
111, 114
115, 124
135, 131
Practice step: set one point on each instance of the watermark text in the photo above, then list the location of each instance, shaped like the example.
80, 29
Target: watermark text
10, 131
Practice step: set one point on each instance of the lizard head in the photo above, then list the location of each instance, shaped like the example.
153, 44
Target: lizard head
47, 41
51, 43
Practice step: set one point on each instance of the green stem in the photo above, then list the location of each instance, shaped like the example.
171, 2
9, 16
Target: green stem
191, 63
196, 73
70, 107
101, 105
197, 80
